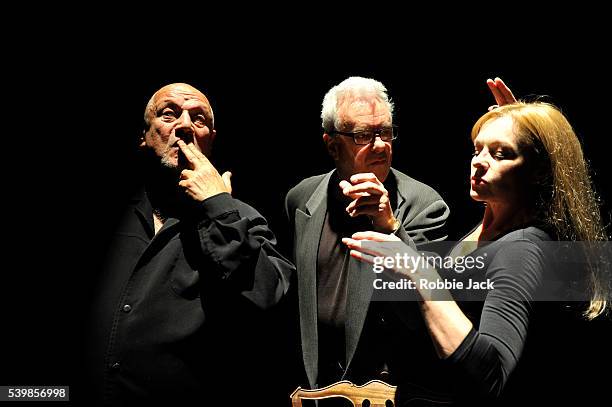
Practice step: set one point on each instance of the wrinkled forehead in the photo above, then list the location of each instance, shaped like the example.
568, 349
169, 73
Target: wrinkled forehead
179, 94
369, 106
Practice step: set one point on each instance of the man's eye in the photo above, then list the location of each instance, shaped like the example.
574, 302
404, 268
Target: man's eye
168, 114
499, 155
200, 120
386, 133
363, 136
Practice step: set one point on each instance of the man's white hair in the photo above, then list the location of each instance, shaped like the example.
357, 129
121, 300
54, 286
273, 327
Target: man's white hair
355, 86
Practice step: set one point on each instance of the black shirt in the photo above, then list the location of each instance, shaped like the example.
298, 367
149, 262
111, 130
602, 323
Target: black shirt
332, 274
170, 304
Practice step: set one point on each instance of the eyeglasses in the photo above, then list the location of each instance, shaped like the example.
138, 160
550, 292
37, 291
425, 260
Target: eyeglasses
361, 138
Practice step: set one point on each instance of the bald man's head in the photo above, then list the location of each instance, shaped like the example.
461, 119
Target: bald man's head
178, 111
175, 87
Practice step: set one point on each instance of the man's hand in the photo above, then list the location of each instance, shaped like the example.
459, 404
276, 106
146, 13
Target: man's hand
502, 93
370, 198
202, 180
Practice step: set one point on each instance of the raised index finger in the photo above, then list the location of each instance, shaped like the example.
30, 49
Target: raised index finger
499, 98
505, 91
199, 154
193, 160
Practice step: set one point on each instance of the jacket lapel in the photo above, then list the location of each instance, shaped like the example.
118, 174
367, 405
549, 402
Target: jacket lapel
402, 190
308, 227
360, 277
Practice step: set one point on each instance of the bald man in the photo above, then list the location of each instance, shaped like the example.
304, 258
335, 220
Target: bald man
188, 263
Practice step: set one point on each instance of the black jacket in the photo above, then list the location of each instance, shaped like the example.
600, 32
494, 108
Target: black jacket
175, 310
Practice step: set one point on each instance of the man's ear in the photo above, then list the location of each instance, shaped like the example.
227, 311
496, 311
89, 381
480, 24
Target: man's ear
330, 144
142, 143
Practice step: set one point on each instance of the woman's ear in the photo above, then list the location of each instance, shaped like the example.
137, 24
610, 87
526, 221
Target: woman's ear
542, 170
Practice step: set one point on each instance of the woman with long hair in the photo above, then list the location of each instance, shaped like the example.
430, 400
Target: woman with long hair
529, 170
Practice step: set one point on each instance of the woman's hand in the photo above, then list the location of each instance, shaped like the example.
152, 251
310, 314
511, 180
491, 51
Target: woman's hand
501, 92
368, 246
366, 252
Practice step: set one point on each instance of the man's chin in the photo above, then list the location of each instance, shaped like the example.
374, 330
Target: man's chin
171, 168
170, 162
381, 171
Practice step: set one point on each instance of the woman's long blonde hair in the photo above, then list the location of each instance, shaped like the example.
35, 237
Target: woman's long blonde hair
566, 201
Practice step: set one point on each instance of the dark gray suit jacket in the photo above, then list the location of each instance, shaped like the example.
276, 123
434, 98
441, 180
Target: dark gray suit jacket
422, 213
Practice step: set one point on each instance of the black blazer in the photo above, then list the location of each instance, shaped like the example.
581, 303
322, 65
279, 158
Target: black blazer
422, 213
173, 308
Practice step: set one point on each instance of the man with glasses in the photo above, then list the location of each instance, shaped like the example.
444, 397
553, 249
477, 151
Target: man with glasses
343, 335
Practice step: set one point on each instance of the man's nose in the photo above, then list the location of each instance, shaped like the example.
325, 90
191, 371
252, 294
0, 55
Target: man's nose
378, 144
184, 121
184, 127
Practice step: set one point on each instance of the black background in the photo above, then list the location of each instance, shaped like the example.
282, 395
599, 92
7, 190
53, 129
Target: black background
71, 152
